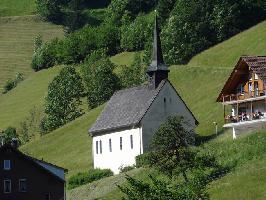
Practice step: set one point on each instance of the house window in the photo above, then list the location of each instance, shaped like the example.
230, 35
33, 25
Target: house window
7, 186
101, 150
22, 185
97, 151
240, 89
121, 143
250, 87
256, 77
6, 164
131, 141
110, 145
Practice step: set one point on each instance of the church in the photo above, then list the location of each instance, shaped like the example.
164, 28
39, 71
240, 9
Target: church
125, 127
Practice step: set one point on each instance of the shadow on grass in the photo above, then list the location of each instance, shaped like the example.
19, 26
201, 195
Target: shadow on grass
203, 139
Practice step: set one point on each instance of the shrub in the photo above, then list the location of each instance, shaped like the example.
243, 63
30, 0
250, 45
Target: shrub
143, 160
88, 177
123, 169
11, 84
9, 134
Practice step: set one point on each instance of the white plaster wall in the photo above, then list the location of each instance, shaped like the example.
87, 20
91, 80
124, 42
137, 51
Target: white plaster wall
117, 158
159, 111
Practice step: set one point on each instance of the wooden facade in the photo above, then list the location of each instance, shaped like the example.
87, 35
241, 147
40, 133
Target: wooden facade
245, 90
26, 178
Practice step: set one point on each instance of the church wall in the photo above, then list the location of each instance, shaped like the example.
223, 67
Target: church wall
117, 158
167, 103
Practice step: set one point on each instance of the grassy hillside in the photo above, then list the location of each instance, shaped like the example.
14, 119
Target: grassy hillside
17, 36
247, 182
68, 146
16, 104
226, 54
17, 7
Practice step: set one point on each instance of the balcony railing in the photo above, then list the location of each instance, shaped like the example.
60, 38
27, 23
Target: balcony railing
244, 117
244, 95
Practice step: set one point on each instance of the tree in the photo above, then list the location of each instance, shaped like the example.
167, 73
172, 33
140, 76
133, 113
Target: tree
9, 134
172, 154
99, 78
62, 103
50, 9
134, 74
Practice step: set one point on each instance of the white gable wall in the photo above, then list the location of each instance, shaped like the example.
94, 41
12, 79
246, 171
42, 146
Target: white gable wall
160, 110
117, 158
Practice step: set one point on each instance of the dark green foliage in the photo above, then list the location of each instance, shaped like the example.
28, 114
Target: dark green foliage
62, 103
50, 9
164, 9
135, 34
118, 8
88, 177
11, 84
100, 81
143, 160
134, 74
195, 25
46, 55
164, 189
9, 134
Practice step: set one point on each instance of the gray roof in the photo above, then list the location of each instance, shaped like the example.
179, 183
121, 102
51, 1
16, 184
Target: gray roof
125, 108
157, 62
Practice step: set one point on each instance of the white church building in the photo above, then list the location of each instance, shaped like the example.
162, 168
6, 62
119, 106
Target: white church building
126, 125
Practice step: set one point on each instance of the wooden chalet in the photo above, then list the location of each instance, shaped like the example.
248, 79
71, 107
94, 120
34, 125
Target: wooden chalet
244, 95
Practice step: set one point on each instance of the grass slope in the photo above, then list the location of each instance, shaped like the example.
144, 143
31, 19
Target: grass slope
17, 36
16, 104
247, 182
226, 54
68, 146
17, 7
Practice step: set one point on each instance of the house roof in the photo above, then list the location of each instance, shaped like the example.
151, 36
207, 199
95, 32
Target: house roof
36, 162
125, 108
256, 63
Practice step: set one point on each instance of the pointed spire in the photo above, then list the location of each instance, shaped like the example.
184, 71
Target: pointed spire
157, 54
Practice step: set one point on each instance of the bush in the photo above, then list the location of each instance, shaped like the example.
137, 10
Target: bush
11, 84
88, 177
124, 169
9, 134
143, 160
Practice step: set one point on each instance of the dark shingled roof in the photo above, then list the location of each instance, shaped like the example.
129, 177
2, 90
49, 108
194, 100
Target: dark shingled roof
125, 108
257, 64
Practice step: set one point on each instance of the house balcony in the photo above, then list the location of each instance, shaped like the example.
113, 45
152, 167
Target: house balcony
244, 97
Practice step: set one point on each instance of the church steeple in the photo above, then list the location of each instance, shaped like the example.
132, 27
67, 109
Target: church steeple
157, 70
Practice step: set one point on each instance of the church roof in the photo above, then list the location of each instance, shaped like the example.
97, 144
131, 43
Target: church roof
126, 108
